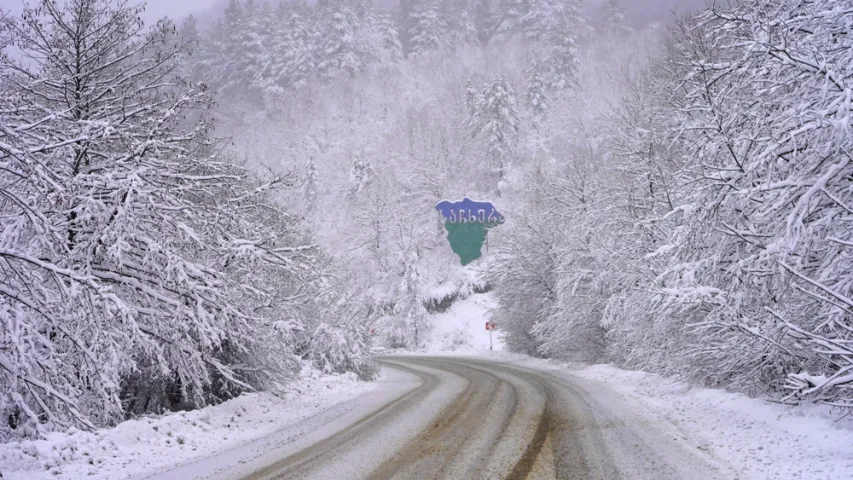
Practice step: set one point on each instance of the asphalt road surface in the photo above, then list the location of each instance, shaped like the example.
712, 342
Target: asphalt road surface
460, 418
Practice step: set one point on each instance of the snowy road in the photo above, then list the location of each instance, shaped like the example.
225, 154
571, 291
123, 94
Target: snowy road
459, 418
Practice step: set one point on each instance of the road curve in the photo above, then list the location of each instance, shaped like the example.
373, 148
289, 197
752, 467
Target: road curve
481, 419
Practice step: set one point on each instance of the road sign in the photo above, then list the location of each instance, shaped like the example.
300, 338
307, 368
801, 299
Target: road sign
467, 223
490, 326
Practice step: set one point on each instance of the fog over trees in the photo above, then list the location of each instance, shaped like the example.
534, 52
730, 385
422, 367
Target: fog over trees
194, 209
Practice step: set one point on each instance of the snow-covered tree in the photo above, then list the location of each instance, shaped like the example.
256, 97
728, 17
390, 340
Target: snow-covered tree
763, 261
470, 99
461, 26
127, 246
496, 120
339, 51
562, 60
428, 28
509, 18
310, 185
535, 93
361, 174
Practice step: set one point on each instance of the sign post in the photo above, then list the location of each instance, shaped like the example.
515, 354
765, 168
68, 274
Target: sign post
490, 326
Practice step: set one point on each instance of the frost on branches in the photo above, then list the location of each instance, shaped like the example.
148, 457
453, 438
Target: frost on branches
139, 271
766, 260
706, 221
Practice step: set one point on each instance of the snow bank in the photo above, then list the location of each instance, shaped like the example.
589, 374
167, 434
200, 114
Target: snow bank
138, 448
462, 328
758, 439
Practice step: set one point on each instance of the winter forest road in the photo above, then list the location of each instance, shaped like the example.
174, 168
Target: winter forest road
465, 418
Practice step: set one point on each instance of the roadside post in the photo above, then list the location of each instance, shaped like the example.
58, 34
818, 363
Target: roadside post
490, 326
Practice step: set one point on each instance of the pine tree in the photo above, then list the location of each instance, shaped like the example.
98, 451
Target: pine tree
470, 99
509, 20
497, 121
535, 93
225, 42
563, 62
292, 58
428, 29
389, 46
411, 307
309, 185
340, 52
190, 42
541, 20
461, 27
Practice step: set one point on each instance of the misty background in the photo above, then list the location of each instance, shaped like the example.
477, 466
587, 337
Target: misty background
639, 12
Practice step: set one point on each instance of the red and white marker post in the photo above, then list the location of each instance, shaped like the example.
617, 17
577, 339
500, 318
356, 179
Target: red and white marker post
490, 326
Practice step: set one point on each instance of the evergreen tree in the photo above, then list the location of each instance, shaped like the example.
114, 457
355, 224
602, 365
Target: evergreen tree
470, 99
309, 185
339, 53
389, 45
497, 121
361, 175
459, 20
535, 93
404, 16
428, 29
291, 59
563, 62
541, 20
509, 20
225, 49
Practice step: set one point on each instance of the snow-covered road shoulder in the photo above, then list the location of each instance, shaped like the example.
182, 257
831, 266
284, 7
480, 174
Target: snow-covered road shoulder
755, 438
142, 447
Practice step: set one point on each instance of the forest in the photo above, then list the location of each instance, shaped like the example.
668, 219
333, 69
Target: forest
197, 208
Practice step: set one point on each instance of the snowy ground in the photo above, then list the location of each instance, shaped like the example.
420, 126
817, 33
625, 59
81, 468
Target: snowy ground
757, 439
140, 448
753, 438
462, 328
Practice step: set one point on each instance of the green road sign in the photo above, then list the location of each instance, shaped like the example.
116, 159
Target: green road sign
467, 223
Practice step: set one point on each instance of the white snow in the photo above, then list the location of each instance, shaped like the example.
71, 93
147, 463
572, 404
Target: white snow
462, 328
757, 439
141, 447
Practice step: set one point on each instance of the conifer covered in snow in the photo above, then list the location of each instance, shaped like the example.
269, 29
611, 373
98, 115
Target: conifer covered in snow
535, 94
496, 121
428, 28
